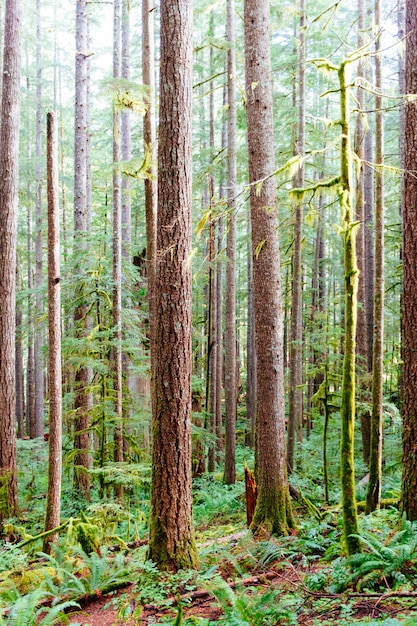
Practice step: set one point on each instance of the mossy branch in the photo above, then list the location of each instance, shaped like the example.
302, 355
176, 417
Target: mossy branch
331, 185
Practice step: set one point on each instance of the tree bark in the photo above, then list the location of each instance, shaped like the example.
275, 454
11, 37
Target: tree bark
373, 496
409, 302
347, 409
82, 378
9, 173
295, 412
273, 510
117, 251
38, 357
53, 502
230, 381
150, 144
171, 536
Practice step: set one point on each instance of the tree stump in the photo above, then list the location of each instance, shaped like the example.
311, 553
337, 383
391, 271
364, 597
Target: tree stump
251, 491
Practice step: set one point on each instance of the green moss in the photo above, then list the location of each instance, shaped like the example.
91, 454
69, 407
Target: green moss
272, 514
184, 556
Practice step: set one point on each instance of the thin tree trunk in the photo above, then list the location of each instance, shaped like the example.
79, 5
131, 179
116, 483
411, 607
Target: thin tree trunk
250, 351
295, 415
9, 173
19, 376
373, 497
82, 378
369, 221
230, 381
361, 342
53, 502
117, 252
38, 330
151, 182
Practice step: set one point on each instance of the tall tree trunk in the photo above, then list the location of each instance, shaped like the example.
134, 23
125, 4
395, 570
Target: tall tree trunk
361, 351
347, 409
361, 327
409, 302
9, 173
53, 502
117, 251
295, 414
151, 182
369, 270
38, 357
19, 376
171, 536
273, 510
81, 402
250, 351
211, 338
375, 461
401, 89
230, 380
30, 378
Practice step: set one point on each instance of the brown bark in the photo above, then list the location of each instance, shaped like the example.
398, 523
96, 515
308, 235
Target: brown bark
82, 377
273, 512
361, 343
251, 494
38, 328
9, 172
19, 377
409, 302
117, 252
150, 144
230, 380
250, 352
295, 413
375, 460
53, 502
171, 537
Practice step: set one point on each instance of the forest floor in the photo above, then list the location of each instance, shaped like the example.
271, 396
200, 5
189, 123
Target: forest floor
311, 608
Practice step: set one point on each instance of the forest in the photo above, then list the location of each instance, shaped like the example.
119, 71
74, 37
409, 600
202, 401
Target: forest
208, 304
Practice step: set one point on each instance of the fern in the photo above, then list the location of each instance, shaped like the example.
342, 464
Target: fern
391, 563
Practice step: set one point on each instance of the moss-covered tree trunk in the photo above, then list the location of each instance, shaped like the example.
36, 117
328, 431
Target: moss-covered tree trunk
273, 510
171, 538
347, 411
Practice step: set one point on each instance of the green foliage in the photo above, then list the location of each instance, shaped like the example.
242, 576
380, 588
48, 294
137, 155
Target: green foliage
388, 563
30, 609
251, 606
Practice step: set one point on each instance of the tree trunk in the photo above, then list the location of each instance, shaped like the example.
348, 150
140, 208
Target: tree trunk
82, 378
409, 301
347, 409
20, 384
250, 352
295, 413
171, 536
38, 357
9, 173
373, 497
361, 343
117, 252
53, 502
273, 510
151, 182
230, 381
